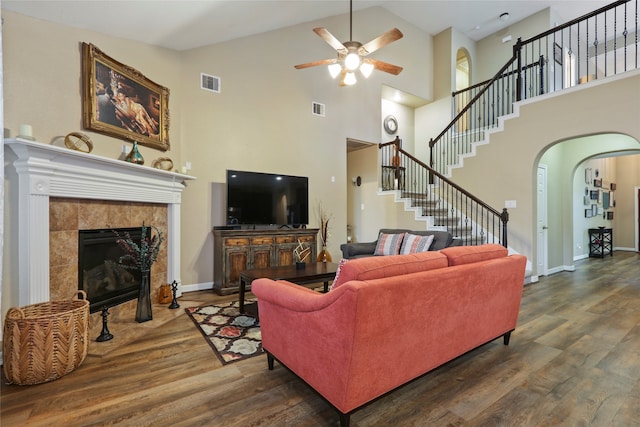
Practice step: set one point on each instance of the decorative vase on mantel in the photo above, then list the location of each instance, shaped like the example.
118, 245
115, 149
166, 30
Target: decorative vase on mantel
134, 155
143, 311
324, 255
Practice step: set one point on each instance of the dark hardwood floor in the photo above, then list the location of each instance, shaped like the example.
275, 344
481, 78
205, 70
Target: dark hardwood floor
574, 360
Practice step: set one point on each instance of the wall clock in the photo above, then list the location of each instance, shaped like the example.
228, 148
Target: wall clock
390, 125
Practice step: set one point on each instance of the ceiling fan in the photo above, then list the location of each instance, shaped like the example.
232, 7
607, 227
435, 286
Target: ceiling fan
352, 55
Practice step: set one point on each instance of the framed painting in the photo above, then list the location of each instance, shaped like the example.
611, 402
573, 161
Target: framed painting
557, 53
119, 101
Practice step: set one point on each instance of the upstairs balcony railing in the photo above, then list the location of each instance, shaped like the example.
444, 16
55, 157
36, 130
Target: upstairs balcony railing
597, 45
445, 205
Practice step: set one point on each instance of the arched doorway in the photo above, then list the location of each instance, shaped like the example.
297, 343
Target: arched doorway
571, 170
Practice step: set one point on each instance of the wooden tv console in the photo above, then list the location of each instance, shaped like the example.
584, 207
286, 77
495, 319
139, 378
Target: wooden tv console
238, 250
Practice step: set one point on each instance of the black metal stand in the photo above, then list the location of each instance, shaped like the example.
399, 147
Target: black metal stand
174, 289
105, 335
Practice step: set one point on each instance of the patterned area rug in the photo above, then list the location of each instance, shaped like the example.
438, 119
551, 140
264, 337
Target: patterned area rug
233, 336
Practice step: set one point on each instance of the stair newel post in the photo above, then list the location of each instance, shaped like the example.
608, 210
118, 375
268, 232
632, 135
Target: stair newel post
541, 72
395, 162
504, 218
431, 144
517, 52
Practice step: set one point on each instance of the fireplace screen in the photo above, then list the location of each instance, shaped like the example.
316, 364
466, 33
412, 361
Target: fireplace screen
100, 275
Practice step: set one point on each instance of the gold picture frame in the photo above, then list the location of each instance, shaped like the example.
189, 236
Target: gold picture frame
121, 102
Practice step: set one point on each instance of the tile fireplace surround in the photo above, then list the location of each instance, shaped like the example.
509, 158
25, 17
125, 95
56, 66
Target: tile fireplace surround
60, 191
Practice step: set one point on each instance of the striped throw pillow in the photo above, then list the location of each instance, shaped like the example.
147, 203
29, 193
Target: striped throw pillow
389, 244
413, 243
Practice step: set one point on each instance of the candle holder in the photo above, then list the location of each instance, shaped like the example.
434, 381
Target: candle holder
174, 290
105, 335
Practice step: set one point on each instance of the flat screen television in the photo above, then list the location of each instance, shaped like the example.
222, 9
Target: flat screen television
255, 198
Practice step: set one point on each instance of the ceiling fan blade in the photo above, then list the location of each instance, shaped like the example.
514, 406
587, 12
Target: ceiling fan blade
343, 74
330, 39
384, 66
314, 63
380, 42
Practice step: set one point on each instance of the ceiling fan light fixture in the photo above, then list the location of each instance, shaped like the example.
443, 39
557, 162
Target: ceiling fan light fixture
352, 61
334, 70
352, 54
366, 69
350, 79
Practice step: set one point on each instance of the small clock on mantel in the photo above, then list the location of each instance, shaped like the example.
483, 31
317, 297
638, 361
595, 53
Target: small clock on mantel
390, 125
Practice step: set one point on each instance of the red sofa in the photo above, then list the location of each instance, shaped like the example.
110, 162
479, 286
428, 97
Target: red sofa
356, 342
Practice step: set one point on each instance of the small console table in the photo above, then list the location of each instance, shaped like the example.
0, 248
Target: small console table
600, 242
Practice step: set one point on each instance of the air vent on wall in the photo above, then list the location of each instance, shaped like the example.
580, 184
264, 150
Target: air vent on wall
317, 109
210, 83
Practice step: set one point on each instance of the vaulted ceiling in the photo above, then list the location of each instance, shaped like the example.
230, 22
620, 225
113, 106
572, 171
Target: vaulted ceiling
186, 24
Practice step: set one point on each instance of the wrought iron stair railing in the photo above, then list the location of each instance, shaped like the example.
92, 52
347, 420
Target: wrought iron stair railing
597, 45
444, 204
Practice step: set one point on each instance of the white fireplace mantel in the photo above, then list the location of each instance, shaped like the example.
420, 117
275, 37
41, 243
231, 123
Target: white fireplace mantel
46, 171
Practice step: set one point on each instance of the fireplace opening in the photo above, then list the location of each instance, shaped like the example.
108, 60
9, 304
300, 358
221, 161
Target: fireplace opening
100, 274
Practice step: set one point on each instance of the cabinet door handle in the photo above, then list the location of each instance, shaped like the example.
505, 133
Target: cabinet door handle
544, 227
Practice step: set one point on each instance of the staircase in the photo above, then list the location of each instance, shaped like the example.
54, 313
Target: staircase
439, 202
600, 44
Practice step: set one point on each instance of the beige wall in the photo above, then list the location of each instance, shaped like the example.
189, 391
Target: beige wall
260, 121
626, 194
495, 54
43, 84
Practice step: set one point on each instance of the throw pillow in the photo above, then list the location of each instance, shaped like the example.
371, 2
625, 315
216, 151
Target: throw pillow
389, 244
342, 262
413, 243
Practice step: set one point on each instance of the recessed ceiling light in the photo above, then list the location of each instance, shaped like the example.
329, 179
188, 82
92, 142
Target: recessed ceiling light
504, 17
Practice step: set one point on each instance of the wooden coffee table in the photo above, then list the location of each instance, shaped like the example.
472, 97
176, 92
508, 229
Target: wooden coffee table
312, 273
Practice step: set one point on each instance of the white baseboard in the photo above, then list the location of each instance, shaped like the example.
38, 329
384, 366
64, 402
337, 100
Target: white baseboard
196, 287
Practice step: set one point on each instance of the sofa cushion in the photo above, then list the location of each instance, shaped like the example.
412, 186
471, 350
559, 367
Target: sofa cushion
413, 243
458, 255
441, 239
389, 244
341, 264
380, 267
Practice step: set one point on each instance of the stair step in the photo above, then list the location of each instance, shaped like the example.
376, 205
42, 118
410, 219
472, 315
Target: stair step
460, 230
446, 220
473, 241
413, 195
440, 212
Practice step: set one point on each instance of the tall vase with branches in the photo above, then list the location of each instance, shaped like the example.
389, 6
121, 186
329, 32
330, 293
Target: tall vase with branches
324, 255
141, 256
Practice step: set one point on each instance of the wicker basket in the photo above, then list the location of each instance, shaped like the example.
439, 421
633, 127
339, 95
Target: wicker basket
42, 342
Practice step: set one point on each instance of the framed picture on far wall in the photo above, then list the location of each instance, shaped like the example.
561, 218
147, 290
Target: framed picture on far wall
587, 213
121, 102
588, 176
